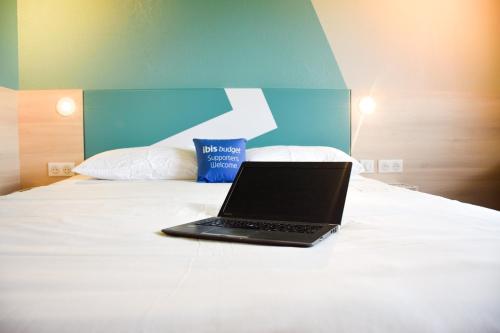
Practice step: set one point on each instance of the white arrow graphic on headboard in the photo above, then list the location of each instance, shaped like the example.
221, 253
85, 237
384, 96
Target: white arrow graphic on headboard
250, 117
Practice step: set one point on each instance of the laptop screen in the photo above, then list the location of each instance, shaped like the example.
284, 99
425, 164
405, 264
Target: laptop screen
289, 191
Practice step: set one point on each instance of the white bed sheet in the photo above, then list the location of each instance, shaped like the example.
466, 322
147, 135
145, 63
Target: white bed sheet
87, 256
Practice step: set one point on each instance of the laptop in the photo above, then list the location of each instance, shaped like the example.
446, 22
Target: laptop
278, 203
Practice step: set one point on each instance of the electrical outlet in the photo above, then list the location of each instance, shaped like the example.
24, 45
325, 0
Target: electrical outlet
67, 169
54, 170
390, 166
397, 166
368, 165
60, 169
384, 166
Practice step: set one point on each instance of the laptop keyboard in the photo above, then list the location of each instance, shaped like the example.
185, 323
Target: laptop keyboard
260, 225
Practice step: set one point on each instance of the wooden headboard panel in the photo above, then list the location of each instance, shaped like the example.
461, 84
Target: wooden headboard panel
128, 118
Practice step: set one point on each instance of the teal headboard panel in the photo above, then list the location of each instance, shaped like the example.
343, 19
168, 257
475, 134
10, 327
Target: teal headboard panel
128, 118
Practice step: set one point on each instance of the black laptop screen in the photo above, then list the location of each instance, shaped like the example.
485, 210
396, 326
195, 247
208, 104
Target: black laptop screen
302, 192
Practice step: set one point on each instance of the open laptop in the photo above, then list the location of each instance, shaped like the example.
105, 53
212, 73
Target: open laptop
278, 203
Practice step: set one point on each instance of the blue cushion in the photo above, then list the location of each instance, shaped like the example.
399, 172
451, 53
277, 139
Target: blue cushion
219, 160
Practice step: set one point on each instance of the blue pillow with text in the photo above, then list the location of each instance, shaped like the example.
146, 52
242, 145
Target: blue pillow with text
219, 159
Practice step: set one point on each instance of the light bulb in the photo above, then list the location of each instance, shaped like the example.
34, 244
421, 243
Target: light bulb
66, 106
367, 105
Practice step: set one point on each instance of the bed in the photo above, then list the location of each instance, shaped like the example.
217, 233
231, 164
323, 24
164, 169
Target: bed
87, 255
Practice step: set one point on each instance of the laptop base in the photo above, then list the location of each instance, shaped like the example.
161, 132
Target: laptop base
195, 230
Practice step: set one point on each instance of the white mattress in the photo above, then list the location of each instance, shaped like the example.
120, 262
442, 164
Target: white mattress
88, 256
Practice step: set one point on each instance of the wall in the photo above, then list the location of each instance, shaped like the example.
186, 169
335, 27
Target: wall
432, 67
146, 44
8, 44
46, 136
115, 46
9, 145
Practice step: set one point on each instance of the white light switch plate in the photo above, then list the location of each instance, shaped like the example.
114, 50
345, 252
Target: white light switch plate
60, 169
368, 165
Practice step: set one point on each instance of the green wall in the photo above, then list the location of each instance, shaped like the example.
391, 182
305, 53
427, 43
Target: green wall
147, 44
8, 44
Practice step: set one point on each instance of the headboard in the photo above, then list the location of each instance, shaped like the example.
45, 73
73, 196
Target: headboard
128, 118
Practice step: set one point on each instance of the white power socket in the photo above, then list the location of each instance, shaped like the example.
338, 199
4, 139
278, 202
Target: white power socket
390, 166
61, 169
368, 165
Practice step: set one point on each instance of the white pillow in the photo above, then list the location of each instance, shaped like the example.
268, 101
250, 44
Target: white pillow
141, 163
302, 154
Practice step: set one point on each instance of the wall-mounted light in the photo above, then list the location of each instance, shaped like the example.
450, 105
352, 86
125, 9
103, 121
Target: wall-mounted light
66, 106
366, 106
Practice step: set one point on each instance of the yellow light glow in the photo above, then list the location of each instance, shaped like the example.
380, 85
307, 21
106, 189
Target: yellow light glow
66, 106
367, 105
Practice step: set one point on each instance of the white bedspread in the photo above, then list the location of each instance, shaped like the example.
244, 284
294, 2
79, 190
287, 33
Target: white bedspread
88, 256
